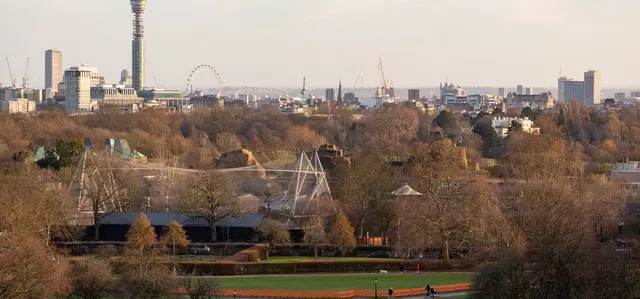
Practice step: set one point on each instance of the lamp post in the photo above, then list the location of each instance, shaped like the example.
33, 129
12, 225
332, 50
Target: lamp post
234, 294
375, 285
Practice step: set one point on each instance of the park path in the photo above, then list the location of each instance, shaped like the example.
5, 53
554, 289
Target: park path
445, 295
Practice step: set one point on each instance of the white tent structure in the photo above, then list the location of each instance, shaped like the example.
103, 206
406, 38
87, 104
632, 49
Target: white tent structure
405, 190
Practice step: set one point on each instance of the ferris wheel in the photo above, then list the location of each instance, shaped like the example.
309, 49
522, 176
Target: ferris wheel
202, 68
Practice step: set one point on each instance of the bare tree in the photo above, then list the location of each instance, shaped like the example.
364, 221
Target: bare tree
211, 196
199, 287
92, 278
226, 142
454, 202
274, 233
302, 138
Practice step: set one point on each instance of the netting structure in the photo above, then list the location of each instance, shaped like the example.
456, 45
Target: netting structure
292, 190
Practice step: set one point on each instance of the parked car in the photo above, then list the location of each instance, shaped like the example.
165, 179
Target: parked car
199, 249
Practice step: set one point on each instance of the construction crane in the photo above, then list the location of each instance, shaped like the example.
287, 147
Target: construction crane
13, 81
385, 83
356, 83
25, 79
304, 88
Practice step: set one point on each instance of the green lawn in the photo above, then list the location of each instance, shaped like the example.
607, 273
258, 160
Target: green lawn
288, 259
341, 282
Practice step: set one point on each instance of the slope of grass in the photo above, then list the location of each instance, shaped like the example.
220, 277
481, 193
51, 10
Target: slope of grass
341, 282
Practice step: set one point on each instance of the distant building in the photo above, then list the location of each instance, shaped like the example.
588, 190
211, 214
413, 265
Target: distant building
573, 90
542, 101
448, 89
19, 106
502, 92
626, 173
36, 95
330, 95
349, 97
502, 125
125, 78
528, 91
52, 69
620, 96
591, 88
519, 89
475, 100
115, 95
77, 83
172, 98
560, 95
392, 92
635, 94
413, 95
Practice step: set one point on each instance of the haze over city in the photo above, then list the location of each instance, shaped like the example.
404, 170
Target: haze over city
274, 43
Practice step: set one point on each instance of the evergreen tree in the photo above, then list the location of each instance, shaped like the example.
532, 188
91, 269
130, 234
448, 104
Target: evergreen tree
174, 235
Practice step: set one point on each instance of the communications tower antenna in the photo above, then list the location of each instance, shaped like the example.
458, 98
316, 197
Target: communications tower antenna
304, 88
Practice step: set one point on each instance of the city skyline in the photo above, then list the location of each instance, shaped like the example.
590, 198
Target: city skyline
261, 48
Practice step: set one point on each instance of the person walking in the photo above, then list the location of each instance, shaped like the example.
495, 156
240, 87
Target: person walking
428, 289
390, 292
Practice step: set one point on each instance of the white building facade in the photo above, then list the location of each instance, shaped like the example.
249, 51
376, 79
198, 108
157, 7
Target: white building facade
19, 106
77, 86
502, 124
591, 88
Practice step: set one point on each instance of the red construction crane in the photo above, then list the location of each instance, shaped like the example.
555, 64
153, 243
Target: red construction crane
385, 83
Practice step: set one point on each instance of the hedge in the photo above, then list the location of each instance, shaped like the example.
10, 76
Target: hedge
232, 268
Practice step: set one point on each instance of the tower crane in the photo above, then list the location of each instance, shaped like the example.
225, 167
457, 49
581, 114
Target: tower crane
356, 83
25, 79
385, 82
13, 81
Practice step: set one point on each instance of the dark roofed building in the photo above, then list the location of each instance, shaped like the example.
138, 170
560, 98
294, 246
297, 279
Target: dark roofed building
114, 227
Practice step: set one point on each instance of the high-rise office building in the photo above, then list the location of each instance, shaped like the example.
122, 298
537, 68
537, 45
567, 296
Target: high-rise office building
620, 96
52, 69
528, 91
414, 95
125, 78
519, 89
591, 88
77, 84
137, 45
502, 92
330, 95
573, 91
560, 95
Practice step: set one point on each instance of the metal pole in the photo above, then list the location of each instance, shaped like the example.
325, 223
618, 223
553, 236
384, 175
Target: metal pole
376, 287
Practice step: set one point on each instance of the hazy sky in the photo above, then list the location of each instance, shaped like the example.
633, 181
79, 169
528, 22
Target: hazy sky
276, 42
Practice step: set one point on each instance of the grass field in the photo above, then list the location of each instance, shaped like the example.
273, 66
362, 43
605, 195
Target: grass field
289, 259
341, 282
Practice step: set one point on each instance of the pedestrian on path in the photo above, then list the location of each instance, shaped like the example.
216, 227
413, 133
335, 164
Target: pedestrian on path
390, 292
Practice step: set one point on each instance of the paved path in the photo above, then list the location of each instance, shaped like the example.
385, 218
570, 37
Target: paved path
445, 295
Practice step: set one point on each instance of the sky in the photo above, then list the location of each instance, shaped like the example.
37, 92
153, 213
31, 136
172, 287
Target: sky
274, 43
